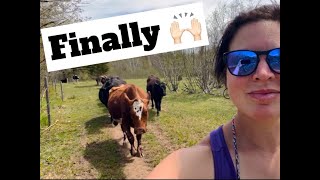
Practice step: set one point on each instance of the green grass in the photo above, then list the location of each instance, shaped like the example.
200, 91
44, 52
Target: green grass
79, 119
189, 118
80, 130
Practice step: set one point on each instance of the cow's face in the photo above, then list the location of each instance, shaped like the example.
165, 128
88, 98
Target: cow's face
162, 88
103, 79
139, 114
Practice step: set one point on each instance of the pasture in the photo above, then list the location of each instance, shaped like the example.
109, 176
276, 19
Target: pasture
81, 143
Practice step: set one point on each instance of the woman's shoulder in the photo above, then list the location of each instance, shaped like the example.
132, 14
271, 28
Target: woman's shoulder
186, 163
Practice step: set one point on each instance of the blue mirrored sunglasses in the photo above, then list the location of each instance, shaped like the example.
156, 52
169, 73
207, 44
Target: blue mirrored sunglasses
245, 62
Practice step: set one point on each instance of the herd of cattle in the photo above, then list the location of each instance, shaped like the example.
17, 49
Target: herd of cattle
128, 105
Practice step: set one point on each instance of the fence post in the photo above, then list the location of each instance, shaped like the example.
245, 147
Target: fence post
47, 99
61, 90
55, 85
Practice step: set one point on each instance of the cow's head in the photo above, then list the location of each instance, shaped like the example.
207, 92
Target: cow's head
103, 79
160, 87
138, 113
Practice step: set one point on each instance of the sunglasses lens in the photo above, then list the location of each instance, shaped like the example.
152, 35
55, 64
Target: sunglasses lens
241, 63
274, 60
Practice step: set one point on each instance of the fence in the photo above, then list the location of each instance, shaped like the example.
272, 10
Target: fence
46, 94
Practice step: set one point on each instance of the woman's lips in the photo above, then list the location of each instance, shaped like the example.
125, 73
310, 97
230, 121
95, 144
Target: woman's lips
264, 95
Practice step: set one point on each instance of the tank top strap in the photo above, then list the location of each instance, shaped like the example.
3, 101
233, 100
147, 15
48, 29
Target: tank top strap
223, 164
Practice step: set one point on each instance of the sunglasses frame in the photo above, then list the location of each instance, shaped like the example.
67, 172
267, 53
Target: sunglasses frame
258, 53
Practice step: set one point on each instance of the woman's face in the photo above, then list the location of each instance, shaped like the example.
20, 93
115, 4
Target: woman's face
258, 94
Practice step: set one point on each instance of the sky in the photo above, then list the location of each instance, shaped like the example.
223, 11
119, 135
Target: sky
98, 9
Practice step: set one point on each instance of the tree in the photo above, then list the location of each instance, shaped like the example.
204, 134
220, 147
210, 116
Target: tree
170, 66
96, 70
55, 13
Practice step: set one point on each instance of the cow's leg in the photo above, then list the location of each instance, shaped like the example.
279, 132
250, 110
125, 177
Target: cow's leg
111, 119
139, 148
124, 134
131, 140
124, 138
152, 102
160, 104
157, 106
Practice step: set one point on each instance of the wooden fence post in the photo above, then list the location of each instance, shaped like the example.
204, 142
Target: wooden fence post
61, 90
55, 85
47, 99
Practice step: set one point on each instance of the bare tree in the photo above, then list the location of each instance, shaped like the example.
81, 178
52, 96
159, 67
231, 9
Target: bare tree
198, 73
203, 71
223, 13
189, 84
170, 66
55, 13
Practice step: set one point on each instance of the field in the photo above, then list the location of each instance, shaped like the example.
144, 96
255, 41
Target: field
81, 142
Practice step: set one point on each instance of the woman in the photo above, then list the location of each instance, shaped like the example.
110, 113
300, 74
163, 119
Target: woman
248, 146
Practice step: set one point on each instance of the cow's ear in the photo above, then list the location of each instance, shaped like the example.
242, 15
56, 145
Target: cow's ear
129, 101
145, 101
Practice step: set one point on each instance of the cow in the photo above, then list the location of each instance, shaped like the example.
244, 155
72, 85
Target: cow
101, 79
75, 78
157, 90
110, 81
65, 80
128, 105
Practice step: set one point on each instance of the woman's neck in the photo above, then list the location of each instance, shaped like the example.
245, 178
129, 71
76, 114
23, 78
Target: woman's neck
253, 134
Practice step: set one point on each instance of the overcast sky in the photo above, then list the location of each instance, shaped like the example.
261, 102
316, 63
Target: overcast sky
97, 9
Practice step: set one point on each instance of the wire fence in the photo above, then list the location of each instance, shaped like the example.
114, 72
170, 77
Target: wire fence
45, 100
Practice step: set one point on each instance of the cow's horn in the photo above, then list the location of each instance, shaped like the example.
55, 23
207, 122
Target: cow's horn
127, 99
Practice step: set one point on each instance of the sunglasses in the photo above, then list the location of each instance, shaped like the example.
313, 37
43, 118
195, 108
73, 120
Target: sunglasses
245, 62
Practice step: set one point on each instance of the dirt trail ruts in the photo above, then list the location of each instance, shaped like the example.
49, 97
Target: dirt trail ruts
161, 138
138, 168
135, 169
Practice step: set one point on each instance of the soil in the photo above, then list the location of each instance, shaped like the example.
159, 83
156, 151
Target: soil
134, 167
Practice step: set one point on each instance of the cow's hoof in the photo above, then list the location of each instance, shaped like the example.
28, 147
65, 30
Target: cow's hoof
133, 153
157, 113
139, 152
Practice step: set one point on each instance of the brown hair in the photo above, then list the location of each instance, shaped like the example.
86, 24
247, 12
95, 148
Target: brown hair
265, 12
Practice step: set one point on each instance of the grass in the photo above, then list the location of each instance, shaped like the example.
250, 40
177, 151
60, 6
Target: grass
78, 134
79, 145
194, 115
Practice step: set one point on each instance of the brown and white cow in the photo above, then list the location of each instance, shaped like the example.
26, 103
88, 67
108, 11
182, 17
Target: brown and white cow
128, 104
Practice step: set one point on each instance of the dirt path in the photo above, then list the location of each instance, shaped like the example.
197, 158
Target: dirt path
136, 168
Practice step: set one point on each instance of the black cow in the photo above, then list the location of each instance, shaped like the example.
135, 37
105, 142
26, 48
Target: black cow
110, 81
75, 78
65, 80
157, 90
101, 79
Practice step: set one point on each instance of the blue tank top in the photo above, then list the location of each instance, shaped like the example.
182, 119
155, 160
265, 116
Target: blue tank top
223, 165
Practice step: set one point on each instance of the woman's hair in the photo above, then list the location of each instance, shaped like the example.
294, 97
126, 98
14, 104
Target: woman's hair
265, 12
